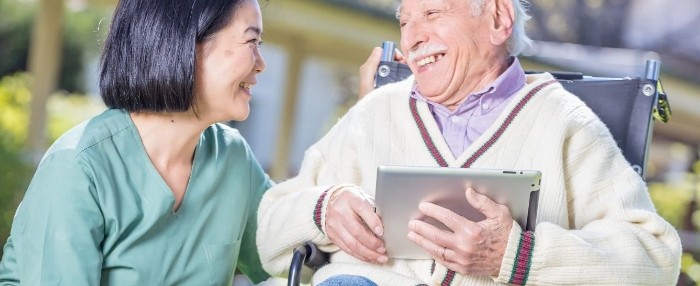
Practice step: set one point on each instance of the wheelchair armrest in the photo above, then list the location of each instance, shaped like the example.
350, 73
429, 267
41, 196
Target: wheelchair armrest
306, 254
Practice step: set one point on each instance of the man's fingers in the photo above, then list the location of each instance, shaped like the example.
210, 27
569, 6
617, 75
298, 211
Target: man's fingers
486, 205
369, 226
346, 219
367, 72
398, 56
375, 56
435, 235
362, 244
445, 216
432, 248
368, 69
366, 212
335, 237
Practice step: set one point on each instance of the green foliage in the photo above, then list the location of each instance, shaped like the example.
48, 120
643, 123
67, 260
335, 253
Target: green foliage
15, 32
81, 40
64, 112
677, 203
14, 103
67, 110
14, 173
690, 267
671, 200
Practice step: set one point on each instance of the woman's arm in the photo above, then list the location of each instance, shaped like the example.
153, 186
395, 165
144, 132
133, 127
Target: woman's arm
248, 258
57, 230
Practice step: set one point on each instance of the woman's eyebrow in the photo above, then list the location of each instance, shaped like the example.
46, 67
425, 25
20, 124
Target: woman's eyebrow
254, 29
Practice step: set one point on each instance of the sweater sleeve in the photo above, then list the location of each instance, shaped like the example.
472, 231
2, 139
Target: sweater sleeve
293, 212
614, 237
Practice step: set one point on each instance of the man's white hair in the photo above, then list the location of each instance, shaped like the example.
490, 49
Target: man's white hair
518, 41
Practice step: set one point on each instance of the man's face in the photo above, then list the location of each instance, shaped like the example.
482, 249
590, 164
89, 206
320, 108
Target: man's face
448, 48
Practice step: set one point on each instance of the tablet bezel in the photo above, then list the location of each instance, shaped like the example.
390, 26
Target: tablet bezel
399, 189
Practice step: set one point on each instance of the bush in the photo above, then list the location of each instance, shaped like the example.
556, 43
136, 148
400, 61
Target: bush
64, 111
15, 31
81, 40
14, 174
677, 203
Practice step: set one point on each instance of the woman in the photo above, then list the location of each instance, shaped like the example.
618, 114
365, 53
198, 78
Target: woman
153, 191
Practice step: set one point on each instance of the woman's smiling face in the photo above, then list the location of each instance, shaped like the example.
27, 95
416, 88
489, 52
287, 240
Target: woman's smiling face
227, 65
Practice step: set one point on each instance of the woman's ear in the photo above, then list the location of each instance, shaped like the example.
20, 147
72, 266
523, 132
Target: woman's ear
503, 16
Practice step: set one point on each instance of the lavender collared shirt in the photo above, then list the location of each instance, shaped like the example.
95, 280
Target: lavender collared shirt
478, 112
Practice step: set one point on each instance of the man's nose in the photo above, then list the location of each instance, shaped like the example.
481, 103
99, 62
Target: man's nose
412, 36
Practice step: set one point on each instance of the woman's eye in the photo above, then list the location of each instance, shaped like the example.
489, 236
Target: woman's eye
256, 42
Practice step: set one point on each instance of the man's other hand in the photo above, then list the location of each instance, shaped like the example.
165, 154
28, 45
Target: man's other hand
471, 248
368, 70
352, 225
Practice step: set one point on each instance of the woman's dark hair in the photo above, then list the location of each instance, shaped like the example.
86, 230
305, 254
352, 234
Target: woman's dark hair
148, 61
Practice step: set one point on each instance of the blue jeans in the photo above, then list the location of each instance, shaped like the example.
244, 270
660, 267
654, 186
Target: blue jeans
347, 280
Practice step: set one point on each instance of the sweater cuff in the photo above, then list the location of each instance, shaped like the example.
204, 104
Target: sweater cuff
319, 214
521, 267
515, 267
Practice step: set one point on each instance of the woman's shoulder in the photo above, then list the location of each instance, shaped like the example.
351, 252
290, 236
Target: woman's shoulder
82, 137
225, 133
224, 138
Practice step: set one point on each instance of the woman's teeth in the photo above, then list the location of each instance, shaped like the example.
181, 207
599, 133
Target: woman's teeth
246, 86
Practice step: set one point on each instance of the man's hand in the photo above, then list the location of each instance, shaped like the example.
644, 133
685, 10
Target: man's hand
368, 70
353, 226
472, 248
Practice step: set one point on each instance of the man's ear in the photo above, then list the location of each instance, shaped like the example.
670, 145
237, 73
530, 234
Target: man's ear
503, 16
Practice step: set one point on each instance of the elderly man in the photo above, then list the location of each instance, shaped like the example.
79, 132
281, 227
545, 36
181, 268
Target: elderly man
470, 105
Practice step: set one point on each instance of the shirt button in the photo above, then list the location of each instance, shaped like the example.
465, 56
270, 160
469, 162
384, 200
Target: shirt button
485, 106
455, 119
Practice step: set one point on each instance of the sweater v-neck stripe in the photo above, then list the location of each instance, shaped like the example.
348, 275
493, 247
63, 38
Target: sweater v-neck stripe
432, 148
450, 275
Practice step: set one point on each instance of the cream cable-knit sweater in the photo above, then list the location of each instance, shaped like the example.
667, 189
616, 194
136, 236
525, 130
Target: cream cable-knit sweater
595, 224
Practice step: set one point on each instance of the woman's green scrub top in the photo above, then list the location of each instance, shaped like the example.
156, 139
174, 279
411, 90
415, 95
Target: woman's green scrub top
98, 213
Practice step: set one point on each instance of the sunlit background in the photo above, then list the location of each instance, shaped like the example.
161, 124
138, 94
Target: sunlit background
49, 55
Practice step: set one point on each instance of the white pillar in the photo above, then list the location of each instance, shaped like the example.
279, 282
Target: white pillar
280, 166
43, 64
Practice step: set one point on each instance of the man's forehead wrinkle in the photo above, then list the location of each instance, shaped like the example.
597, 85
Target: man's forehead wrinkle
405, 14
400, 13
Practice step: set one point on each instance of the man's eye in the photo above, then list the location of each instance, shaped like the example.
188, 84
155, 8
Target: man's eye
432, 13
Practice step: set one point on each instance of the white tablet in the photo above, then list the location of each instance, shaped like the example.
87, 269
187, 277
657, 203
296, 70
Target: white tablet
400, 189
